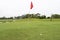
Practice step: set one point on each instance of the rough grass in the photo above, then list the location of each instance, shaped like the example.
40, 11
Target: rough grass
30, 29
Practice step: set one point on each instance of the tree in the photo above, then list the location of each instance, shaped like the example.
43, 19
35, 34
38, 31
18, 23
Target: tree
18, 17
3, 17
37, 15
43, 17
10, 18
28, 15
48, 17
55, 16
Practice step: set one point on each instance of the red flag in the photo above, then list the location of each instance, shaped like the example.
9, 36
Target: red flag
31, 5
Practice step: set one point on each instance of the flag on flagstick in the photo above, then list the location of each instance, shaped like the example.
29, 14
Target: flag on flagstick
31, 5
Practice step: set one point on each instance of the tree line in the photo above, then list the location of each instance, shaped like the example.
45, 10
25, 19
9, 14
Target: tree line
33, 16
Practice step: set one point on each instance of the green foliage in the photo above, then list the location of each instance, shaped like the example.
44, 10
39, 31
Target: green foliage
43, 17
55, 16
34, 16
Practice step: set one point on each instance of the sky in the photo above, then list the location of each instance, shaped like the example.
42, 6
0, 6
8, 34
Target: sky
10, 8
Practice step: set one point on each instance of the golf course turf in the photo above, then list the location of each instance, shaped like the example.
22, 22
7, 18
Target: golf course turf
30, 29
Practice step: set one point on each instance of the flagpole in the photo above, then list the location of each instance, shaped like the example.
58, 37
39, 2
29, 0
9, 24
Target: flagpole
51, 18
31, 6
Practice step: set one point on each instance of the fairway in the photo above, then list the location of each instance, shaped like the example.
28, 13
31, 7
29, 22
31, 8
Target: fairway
30, 29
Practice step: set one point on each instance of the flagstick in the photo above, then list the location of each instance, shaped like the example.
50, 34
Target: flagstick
51, 18
31, 6
29, 13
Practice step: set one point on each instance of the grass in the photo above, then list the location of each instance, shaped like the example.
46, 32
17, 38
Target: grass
30, 29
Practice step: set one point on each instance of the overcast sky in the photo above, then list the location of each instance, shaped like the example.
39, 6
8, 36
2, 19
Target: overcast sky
18, 7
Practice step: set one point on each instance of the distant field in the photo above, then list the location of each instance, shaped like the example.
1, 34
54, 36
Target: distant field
30, 29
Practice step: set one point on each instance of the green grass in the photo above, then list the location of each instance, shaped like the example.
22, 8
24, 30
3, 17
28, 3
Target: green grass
30, 29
